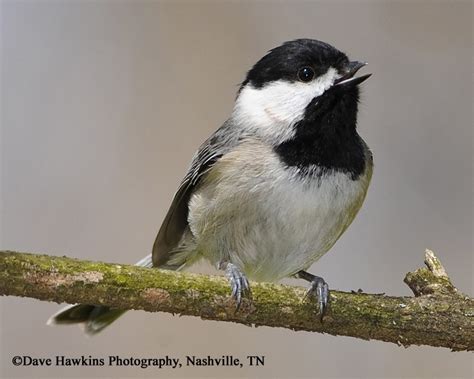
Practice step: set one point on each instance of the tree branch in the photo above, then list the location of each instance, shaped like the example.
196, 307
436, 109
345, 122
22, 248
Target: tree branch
438, 315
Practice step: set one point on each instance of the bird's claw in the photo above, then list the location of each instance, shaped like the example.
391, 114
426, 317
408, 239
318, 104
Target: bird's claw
238, 283
319, 289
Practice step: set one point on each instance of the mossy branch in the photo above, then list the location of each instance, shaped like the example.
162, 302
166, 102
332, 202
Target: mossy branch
438, 315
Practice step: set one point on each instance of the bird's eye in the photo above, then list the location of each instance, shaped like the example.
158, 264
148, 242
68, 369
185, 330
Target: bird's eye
305, 74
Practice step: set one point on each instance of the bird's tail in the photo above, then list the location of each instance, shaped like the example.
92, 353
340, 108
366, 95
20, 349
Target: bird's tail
93, 317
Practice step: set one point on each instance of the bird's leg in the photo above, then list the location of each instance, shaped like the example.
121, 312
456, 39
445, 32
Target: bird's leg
318, 289
238, 282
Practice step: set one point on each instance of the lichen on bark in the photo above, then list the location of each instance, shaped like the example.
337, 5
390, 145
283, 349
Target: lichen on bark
438, 314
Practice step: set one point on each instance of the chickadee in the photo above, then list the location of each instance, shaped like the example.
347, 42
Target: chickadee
275, 186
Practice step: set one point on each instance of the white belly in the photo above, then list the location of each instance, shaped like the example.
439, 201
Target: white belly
266, 219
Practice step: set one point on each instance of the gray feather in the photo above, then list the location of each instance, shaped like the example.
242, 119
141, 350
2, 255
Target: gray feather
175, 224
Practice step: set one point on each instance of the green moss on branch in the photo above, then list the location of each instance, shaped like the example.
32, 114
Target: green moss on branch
437, 316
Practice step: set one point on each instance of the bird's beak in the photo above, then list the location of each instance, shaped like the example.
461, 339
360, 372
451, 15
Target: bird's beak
349, 71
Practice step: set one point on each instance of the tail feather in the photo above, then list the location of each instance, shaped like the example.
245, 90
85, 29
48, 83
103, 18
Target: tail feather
93, 317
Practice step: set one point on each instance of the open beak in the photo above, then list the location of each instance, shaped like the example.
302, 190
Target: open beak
348, 77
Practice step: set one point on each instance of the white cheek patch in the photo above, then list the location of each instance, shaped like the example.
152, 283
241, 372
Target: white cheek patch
273, 109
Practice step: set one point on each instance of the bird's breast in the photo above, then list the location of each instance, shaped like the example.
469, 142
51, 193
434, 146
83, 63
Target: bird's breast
268, 218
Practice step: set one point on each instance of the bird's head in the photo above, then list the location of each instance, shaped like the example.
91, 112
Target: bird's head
301, 80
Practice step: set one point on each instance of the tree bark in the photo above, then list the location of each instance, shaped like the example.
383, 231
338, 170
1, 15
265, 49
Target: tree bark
438, 314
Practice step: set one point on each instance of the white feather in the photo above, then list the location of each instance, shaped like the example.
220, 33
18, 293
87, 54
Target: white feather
272, 110
266, 218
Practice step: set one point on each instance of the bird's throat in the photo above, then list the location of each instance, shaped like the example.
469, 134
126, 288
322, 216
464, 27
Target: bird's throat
327, 138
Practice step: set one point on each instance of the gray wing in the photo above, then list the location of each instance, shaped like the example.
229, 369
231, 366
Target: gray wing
175, 223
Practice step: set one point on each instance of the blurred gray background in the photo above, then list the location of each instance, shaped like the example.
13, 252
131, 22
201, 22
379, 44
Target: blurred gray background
104, 103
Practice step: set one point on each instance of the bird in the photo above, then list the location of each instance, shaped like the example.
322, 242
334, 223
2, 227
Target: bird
273, 189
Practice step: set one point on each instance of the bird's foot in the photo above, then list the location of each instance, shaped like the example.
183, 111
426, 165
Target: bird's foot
318, 289
238, 282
